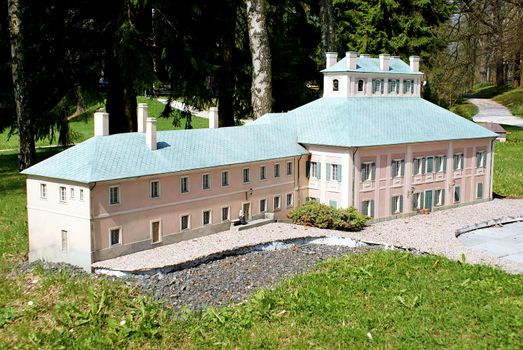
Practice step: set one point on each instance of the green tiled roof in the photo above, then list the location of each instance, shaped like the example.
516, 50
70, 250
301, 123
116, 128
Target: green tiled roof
126, 155
371, 65
373, 121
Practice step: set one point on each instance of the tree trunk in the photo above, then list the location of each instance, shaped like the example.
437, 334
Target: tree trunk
328, 42
17, 13
261, 88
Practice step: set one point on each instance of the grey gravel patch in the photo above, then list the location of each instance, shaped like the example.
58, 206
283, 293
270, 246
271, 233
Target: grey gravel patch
235, 278
30, 267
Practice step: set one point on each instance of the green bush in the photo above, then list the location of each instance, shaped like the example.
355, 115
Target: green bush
319, 215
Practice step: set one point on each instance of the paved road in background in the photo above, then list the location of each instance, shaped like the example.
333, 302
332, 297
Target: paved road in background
493, 112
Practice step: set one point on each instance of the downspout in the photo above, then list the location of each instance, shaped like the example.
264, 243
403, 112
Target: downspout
354, 177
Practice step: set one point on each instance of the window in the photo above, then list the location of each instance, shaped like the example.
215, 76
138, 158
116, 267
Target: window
276, 170
439, 197
289, 168
394, 86
315, 170
367, 208
457, 194
156, 234
333, 204
479, 190
206, 217
397, 204
225, 213
72, 193
263, 205
63, 194
429, 165
277, 204
368, 171
417, 200
360, 85
407, 86
481, 159
335, 85
459, 161
263, 172
378, 86
65, 241
419, 166
115, 236
81, 194
184, 222
289, 200
225, 178
334, 172
43, 191
114, 195
184, 184
246, 175
205, 182
155, 189
440, 164
398, 167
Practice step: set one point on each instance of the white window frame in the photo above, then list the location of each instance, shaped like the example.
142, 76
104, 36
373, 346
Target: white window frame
368, 166
438, 197
226, 183
397, 200
151, 189
482, 159
188, 222
264, 209
210, 217
287, 200
460, 199
314, 166
289, 168
208, 177
159, 221
441, 164
64, 247
399, 172
335, 85
71, 193
362, 90
184, 189
263, 172
246, 171
81, 194
460, 157
420, 169
482, 190
62, 193
278, 197
43, 191
228, 214
277, 170
119, 228
368, 207
418, 197
335, 168
118, 200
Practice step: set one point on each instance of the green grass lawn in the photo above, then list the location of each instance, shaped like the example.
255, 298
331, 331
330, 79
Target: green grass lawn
513, 100
82, 127
401, 300
465, 109
508, 164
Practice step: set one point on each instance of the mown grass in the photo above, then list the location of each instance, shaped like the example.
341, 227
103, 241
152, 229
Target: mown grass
465, 109
487, 90
82, 127
508, 164
513, 100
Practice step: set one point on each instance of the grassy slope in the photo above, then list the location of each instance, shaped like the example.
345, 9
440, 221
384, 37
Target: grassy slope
402, 300
82, 127
465, 109
508, 164
513, 100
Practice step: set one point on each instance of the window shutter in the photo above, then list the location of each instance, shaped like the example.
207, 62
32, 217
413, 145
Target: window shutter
402, 167
371, 204
373, 86
415, 200
338, 176
393, 168
455, 162
478, 159
480, 190
444, 164
393, 205
423, 165
328, 171
484, 156
442, 197
382, 85
438, 163
401, 204
373, 172
362, 208
430, 164
363, 172
318, 170
308, 169
416, 165
462, 161
457, 196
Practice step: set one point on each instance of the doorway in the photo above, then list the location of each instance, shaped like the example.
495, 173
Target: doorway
246, 207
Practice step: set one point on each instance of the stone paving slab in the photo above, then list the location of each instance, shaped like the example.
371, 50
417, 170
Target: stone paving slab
434, 233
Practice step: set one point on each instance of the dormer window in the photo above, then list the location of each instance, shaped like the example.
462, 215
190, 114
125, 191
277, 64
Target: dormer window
360, 85
377, 86
335, 85
394, 86
408, 86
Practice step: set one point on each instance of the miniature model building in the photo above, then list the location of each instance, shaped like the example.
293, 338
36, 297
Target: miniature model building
371, 142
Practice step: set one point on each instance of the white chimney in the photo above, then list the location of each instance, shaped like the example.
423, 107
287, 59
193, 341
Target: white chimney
384, 62
331, 59
142, 116
150, 133
101, 124
213, 118
351, 59
414, 63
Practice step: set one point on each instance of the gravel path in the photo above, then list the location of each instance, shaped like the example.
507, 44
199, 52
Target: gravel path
434, 233
492, 112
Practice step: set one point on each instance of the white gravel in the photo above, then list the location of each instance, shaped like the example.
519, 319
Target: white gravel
434, 233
